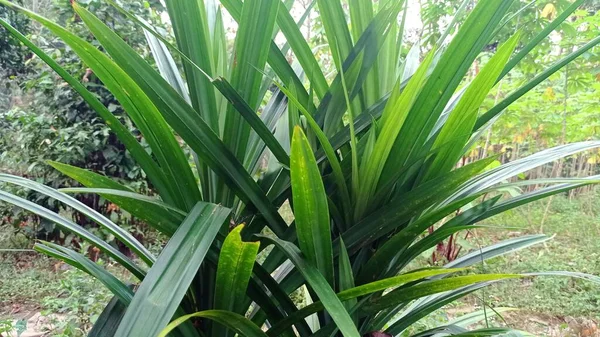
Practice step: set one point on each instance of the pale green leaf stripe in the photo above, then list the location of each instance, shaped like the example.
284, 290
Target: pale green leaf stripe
142, 157
161, 291
121, 234
75, 229
236, 322
234, 269
319, 284
311, 211
144, 114
356, 292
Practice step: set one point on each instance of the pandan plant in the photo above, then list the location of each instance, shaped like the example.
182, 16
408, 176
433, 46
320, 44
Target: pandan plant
368, 160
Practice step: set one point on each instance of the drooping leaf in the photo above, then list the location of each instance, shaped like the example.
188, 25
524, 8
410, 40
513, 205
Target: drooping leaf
236, 322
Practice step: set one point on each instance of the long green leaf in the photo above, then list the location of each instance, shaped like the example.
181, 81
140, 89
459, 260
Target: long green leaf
470, 39
310, 206
139, 107
276, 59
327, 149
126, 194
426, 305
113, 284
145, 114
158, 217
384, 260
356, 67
410, 204
190, 25
460, 122
497, 249
251, 51
278, 293
427, 288
359, 291
161, 291
346, 276
336, 29
303, 52
496, 175
394, 115
529, 197
75, 229
361, 15
166, 65
117, 231
540, 36
252, 119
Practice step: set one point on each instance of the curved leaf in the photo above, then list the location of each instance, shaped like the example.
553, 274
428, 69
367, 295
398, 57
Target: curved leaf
236, 261
233, 321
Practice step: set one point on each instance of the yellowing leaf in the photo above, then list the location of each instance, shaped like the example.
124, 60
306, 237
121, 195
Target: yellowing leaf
549, 94
549, 11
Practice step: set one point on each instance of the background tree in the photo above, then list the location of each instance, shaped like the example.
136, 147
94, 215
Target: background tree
46, 120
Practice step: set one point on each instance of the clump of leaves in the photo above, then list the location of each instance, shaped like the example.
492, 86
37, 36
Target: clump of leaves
362, 193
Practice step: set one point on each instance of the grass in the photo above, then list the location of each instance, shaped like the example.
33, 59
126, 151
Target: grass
550, 306
575, 247
47, 296
26, 279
